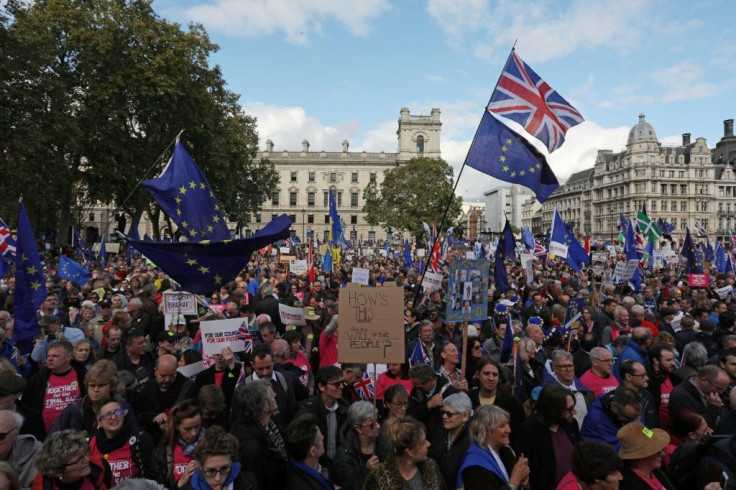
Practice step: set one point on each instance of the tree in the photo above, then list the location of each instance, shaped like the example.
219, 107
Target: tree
92, 92
415, 191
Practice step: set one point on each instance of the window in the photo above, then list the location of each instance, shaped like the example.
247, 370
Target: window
683, 189
310, 219
372, 235
292, 217
310, 198
91, 216
327, 219
354, 177
683, 206
683, 223
333, 177
339, 198
275, 198
674, 206
353, 219
326, 235
292, 198
326, 200
274, 216
311, 176
654, 205
258, 217
353, 199
664, 205
420, 144
373, 177
293, 176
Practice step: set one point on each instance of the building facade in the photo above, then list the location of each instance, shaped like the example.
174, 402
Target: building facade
504, 203
573, 200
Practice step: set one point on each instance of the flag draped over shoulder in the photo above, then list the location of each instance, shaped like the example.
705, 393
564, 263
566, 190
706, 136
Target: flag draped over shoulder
204, 266
562, 243
522, 96
73, 271
30, 283
184, 193
502, 153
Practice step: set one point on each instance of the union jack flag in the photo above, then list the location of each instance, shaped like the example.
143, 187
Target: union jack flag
364, 388
539, 250
522, 96
699, 228
244, 334
7, 241
436, 259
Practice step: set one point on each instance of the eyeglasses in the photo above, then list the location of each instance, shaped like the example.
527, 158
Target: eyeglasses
224, 471
371, 425
120, 412
337, 384
564, 366
448, 414
82, 459
608, 361
642, 375
400, 404
3, 435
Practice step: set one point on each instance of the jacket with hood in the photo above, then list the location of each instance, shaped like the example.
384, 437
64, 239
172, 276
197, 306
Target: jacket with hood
23, 458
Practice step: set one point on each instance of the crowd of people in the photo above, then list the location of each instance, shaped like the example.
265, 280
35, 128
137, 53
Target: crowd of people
638, 395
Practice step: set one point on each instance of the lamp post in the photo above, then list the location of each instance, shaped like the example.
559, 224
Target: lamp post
304, 220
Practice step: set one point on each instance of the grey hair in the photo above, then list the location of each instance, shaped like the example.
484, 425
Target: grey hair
266, 289
596, 352
486, 419
138, 484
619, 309
628, 300
136, 301
59, 449
359, 412
559, 354
423, 372
525, 344
460, 402
253, 398
695, 354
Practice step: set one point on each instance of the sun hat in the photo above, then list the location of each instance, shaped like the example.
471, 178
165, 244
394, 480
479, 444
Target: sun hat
638, 442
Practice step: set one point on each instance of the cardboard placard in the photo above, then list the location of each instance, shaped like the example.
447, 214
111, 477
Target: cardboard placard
286, 259
724, 292
371, 324
218, 334
697, 280
181, 303
361, 276
298, 267
431, 281
291, 315
468, 291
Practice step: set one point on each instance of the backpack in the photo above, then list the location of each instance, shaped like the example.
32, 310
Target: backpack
685, 459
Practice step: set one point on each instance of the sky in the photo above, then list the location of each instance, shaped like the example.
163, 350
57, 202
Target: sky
330, 70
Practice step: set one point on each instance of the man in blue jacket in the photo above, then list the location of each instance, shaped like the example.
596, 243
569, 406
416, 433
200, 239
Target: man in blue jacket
609, 413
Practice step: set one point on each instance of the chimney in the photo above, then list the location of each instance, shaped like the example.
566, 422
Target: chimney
305, 146
685, 139
269, 146
345, 146
727, 128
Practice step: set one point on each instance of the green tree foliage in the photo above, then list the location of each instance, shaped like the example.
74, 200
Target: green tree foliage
91, 93
415, 191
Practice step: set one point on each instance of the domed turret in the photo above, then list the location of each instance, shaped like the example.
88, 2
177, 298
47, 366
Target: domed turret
643, 132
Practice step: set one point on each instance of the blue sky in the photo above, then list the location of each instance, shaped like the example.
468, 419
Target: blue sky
329, 70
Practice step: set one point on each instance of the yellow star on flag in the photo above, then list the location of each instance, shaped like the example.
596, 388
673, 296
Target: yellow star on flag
204, 270
35, 285
502, 158
216, 219
182, 190
513, 174
218, 279
531, 169
192, 185
192, 262
184, 224
210, 228
522, 173
202, 186
31, 270
178, 199
505, 168
193, 232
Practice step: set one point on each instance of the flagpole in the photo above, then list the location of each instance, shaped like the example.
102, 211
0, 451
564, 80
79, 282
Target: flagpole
459, 175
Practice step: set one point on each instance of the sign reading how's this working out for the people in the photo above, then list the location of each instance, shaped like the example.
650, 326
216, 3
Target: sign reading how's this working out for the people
467, 291
180, 303
371, 324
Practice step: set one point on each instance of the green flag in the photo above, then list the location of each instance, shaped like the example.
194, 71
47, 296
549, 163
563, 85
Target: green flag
648, 227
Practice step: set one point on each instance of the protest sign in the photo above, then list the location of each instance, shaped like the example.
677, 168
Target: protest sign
217, 308
431, 281
291, 315
218, 334
284, 250
697, 280
286, 259
298, 267
724, 291
470, 254
467, 291
421, 252
598, 256
361, 276
371, 324
191, 370
180, 303
527, 262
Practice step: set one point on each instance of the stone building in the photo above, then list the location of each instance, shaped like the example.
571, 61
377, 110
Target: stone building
573, 200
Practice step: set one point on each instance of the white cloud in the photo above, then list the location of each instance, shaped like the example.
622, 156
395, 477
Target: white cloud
435, 78
682, 82
297, 19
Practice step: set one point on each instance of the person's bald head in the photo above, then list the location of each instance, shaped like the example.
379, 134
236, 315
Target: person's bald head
280, 348
165, 371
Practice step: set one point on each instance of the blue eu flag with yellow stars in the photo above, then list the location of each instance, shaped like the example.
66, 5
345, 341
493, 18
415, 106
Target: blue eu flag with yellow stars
30, 283
201, 267
693, 265
73, 271
563, 244
502, 153
184, 194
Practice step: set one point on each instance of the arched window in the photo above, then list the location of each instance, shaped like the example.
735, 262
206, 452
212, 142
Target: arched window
420, 144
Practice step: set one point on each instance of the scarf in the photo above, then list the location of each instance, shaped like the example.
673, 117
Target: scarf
311, 472
187, 448
199, 481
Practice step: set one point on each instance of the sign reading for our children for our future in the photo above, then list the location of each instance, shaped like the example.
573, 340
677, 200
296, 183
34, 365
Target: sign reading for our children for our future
371, 324
218, 334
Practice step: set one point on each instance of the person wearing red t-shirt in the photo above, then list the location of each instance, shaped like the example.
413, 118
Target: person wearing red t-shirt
662, 380
50, 391
598, 378
328, 339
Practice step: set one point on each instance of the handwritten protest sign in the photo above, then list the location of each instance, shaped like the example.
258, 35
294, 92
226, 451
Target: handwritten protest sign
286, 259
431, 281
181, 303
361, 276
218, 334
371, 324
291, 315
467, 290
298, 267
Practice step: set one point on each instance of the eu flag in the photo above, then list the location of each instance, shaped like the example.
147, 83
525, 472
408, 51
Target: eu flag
80, 246
73, 271
102, 254
408, 260
185, 195
527, 238
500, 152
499, 267
135, 236
335, 219
30, 283
688, 252
509, 242
562, 243
204, 266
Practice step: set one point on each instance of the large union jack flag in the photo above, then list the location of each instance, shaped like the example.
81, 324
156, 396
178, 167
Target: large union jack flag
522, 96
7, 241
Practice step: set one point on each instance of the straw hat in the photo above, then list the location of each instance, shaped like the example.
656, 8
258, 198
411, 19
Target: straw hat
310, 314
638, 442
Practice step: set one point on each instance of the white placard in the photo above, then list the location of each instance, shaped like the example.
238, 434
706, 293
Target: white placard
558, 249
191, 370
298, 267
724, 291
361, 276
431, 281
383, 253
284, 250
218, 334
527, 262
291, 315
421, 252
470, 254
181, 303
599, 257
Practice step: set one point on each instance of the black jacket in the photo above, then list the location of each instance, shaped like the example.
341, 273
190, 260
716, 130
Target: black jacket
431, 417
270, 306
632, 481
450, 459
229, 379
151, 401
316, 407
655, 384
508, 402
535, 442
686, 397
258, 455
297, 479
35, 392
349, 472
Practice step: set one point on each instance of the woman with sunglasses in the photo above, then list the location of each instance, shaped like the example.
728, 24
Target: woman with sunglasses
217, 466
173, 461
450, 444
118, 441
65, 462
358, 452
